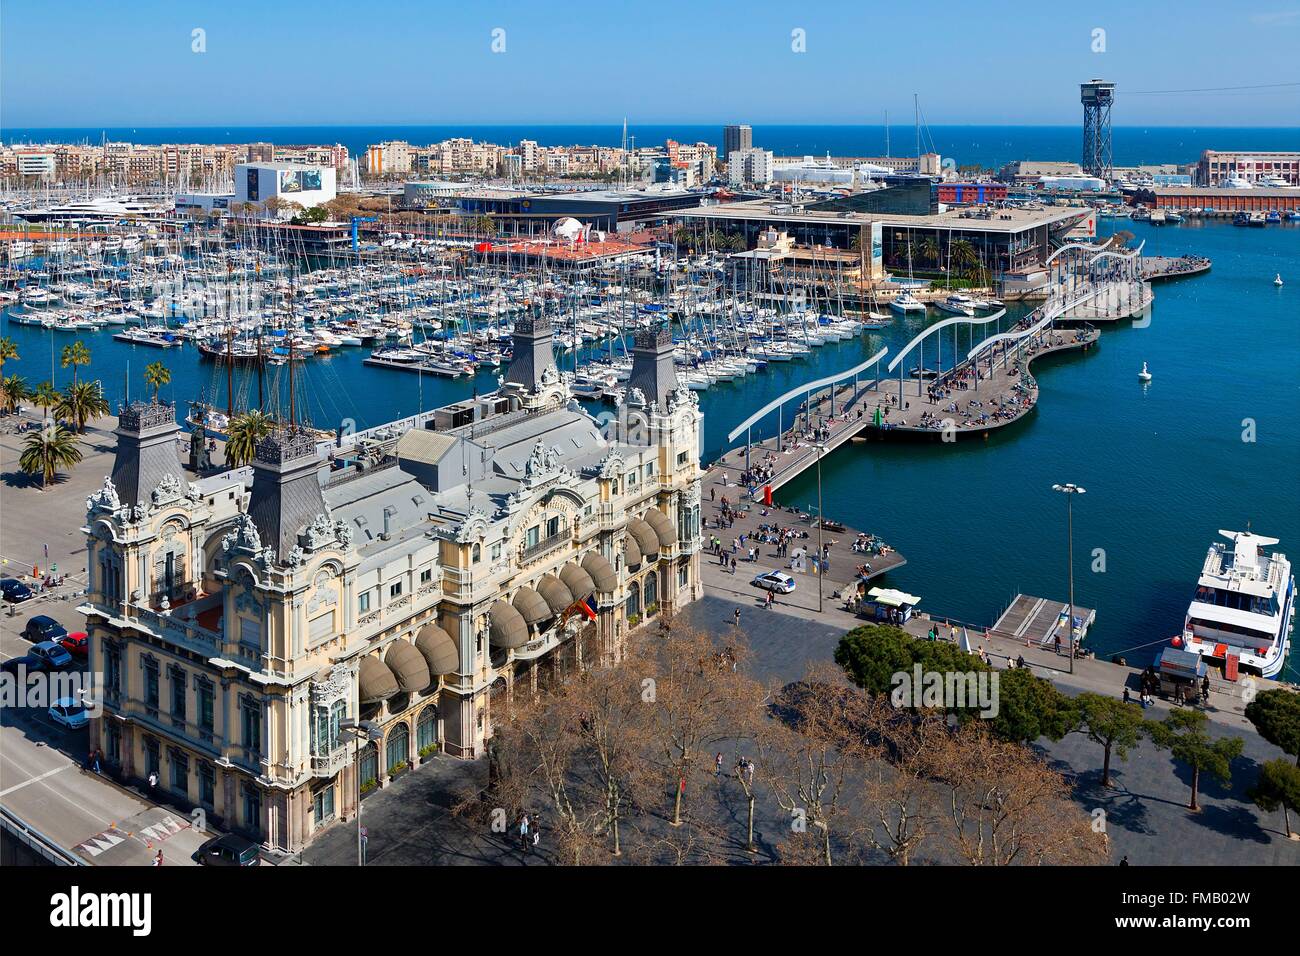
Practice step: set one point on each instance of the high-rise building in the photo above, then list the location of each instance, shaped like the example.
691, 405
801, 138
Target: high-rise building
736, 137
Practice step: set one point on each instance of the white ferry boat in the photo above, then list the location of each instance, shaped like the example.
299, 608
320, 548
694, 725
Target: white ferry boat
1244, 605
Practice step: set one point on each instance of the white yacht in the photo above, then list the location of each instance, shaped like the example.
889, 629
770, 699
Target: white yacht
956, 304
905, 302
1244, 605
101, 207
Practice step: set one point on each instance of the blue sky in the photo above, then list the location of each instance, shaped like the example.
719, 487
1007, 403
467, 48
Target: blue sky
99, 63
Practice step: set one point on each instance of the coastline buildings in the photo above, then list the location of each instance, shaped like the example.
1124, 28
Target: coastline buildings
736, 138
500, 543
749, 167
1260, 168
170, 164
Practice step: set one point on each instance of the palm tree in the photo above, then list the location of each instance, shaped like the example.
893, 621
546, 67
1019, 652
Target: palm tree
80, 402
157, 374
964, 255
8, 350
929, 249
74, 355
243, 434
48, 451
13, 390
46, 396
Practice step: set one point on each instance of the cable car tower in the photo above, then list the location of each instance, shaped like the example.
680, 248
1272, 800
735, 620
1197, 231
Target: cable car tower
1097, 97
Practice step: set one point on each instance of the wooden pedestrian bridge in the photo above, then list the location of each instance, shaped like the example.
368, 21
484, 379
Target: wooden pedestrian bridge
989, 388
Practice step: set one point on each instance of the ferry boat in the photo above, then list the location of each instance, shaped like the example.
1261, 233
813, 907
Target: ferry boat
1244, 605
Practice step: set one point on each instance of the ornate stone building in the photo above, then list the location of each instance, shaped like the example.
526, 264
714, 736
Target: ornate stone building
239, 618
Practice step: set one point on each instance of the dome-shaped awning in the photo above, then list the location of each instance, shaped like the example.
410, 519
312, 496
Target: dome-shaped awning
645, 537
508, 628
663, 528
531, 606
556, 595
578, 581
601, 571
408, 666
375, 682
440, 652
632, 556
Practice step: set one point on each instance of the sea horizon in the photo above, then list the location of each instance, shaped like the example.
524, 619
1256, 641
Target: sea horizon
986, 144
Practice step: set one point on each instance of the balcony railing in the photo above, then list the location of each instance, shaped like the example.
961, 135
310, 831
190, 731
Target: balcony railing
327, 765
529, 552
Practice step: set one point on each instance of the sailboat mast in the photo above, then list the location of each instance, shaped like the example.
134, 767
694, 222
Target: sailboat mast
916, 110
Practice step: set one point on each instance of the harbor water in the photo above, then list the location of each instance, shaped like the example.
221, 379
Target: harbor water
1213, 441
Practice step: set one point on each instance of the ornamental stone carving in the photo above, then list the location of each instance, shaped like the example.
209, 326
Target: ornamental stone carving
168, 490
337, 685
473, 528
106, 499
245, 537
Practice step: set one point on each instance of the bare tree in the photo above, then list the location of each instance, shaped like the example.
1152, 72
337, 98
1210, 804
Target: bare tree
818, 746
700, 698
900, 797
1005, 805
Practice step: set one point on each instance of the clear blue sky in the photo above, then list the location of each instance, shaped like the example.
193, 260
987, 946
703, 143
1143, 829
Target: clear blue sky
104, 63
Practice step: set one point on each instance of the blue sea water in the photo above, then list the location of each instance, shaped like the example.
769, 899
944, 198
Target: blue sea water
989, 146
1212, 442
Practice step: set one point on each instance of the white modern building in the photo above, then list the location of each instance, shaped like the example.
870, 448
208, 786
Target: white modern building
306, 185
749, 167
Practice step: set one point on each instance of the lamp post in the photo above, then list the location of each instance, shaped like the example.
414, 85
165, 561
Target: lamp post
1070, 490
357, 729
821, 551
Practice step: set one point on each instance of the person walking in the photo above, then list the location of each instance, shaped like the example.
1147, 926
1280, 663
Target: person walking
736, 617
1056, 643
158, 859
523, 832
717, 764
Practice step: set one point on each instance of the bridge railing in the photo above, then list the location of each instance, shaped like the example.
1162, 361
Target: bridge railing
36, 841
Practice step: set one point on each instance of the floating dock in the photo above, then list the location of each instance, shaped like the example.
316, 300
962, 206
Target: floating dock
1035, 620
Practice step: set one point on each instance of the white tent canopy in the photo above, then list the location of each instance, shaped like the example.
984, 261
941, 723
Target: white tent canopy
892, 598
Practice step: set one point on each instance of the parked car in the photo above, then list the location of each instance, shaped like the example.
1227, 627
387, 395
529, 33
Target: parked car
774, 581
42, 627
228, 850
69, 712
14, 591
12, 664
51, 656
75, 644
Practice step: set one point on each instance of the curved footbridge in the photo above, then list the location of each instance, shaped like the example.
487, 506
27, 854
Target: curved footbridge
991, 387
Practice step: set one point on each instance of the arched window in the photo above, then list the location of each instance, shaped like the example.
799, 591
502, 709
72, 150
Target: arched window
476, 553
426, 730
369, 762
634, 601
399, 746
651, 592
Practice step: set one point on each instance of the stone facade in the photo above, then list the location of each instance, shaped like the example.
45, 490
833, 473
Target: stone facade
230, 659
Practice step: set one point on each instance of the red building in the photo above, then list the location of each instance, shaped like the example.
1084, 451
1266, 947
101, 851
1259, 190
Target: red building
971, 194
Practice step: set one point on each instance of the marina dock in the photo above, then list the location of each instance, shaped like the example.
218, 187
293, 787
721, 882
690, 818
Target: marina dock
1035, 620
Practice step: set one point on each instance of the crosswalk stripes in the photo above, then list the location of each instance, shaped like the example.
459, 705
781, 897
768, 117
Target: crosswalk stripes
161, 830
100, 843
